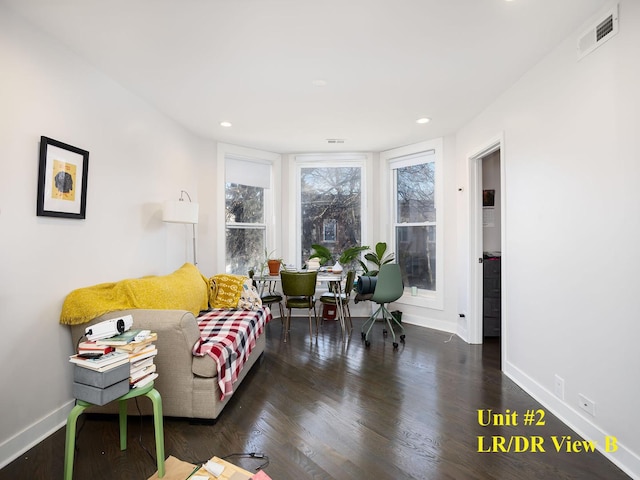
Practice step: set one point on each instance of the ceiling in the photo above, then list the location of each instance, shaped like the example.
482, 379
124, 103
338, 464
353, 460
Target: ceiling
255, 63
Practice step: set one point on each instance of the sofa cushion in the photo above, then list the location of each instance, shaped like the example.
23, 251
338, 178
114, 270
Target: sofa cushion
184, 289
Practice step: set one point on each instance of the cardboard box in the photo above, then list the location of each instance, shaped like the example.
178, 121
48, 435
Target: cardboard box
100, 396
105, 379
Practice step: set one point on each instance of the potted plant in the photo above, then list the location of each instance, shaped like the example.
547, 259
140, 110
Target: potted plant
270, 263
324, 255
377, 257
350, 254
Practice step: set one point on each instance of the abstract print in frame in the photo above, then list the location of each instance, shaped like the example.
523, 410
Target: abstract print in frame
62, 180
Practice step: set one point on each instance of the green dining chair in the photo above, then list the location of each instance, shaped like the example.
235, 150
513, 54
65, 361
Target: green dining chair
268, 293
299, 289
329, 298
389, 288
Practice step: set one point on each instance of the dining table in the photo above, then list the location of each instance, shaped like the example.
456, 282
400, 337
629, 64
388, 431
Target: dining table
333, 280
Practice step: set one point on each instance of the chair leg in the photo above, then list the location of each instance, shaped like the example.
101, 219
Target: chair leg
389, 319
348, 316
369, 324
287, 324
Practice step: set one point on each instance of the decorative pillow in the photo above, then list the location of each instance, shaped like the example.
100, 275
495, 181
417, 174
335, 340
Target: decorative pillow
249, 298
213, 291
229, 288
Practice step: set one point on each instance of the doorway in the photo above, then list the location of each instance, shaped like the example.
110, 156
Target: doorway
487, 242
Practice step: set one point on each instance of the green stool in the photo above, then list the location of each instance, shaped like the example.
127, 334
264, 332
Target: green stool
149, 391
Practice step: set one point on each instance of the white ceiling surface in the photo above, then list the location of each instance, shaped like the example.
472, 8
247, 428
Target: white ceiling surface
252, 62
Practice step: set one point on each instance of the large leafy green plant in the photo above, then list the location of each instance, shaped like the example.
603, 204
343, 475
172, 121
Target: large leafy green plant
376, 258
347, 256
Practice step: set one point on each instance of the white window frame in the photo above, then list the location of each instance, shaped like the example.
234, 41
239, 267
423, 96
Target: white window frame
312, 160
271, 195
425, 298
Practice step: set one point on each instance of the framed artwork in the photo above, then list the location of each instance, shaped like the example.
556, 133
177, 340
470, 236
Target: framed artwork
62, 180
488, 198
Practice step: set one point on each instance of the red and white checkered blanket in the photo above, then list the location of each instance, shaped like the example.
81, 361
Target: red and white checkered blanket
229, 336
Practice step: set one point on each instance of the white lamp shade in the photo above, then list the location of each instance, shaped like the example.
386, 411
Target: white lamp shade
180, 212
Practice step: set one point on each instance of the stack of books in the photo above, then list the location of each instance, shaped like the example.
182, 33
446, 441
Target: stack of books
139, 347
106, 369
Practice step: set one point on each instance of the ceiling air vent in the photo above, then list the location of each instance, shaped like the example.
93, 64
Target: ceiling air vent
599, 33
335, 140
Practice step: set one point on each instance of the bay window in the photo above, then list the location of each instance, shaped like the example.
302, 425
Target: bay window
330, 204
416, 220
247, 185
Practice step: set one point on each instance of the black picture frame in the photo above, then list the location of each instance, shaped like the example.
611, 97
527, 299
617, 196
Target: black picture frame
62, 180
488, 198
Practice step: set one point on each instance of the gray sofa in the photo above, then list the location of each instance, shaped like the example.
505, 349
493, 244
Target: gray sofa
187, 383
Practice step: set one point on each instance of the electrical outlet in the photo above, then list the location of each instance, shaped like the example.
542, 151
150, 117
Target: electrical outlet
587, 405
559, 387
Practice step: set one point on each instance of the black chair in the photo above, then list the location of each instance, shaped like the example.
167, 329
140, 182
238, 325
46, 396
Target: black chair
268, 294
299, 289
389, 287
329, 298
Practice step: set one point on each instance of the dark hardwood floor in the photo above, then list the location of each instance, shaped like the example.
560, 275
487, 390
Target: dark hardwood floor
324, 409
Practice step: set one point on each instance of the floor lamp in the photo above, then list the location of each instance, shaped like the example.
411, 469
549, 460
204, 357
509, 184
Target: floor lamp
179, 211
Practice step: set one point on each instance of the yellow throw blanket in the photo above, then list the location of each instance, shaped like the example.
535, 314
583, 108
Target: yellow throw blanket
184, 289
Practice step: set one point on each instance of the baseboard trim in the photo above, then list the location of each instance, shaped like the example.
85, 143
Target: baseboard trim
20, 443
623, 458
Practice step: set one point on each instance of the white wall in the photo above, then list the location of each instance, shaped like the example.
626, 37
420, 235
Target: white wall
571, 258
138, 159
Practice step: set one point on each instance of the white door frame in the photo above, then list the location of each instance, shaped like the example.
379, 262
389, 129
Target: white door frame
475, 238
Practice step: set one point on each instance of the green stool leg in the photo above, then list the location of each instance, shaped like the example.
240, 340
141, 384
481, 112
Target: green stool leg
122, 416
156, 400
70, 442
159, 428
76, 411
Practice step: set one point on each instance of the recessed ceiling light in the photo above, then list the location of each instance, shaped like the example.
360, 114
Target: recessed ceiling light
423, 120
319, 83
225, 124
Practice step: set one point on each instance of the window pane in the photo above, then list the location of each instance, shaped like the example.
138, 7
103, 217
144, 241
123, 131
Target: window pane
244, 204
415, 190
245, 249
416, 255
330, 208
